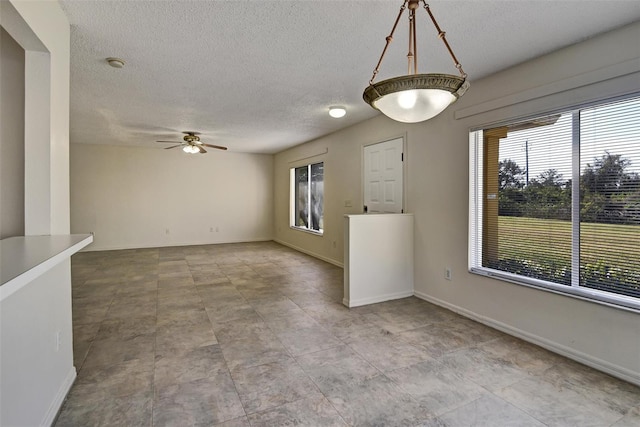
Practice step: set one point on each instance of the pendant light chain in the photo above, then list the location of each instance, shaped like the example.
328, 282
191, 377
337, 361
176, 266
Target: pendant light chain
413, 54
442, 36
389, 40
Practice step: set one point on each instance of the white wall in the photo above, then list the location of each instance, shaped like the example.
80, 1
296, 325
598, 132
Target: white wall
437, 194
36, 372
35, 377
129, 196
11, 137
42, 30
378, 264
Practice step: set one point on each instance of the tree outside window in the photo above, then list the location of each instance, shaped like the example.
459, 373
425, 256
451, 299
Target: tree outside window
309, 197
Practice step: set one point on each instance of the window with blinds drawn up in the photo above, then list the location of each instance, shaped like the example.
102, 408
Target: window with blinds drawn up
555, 202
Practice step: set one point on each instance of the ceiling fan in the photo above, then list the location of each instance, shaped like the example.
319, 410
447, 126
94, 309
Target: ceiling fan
192, 144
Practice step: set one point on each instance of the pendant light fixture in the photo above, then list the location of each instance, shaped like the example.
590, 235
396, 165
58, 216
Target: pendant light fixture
415, 97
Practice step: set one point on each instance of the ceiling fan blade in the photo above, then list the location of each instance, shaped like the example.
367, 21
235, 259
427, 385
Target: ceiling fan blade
173, 146
202, 150
219, 147
172, 142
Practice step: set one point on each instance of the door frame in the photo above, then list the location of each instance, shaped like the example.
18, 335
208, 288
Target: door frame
402, 136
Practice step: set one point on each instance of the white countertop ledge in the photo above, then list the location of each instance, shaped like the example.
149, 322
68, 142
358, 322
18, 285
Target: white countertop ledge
22, 259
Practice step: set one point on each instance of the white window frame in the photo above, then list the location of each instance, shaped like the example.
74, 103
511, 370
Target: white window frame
293, 201
476, 162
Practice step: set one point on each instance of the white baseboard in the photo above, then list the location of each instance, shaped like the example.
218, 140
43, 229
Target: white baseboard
313, 254
586, 359
94, 248
58, 400
376, 299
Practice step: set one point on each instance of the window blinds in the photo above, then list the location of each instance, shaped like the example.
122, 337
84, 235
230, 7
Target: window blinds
610, 197
555, 200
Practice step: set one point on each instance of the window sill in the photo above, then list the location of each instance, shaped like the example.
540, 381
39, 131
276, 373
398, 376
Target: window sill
620, 302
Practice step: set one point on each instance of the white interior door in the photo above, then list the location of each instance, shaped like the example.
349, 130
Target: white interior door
383, 177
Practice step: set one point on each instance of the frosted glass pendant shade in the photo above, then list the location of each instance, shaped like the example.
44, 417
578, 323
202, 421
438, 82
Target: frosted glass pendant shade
416, 97
416, 105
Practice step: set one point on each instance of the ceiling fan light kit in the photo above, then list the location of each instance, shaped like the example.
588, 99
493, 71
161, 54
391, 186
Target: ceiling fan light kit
191, 149
415, 97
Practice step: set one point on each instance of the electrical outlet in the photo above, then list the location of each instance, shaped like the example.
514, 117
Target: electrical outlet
210, 229
217, 229
447, 273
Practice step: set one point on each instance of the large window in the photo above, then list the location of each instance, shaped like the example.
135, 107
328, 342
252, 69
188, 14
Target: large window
307, 184
555, 202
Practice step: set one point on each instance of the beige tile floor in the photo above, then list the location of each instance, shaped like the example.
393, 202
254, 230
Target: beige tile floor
255, 335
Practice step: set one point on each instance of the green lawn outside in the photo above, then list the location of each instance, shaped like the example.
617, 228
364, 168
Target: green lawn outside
549, 241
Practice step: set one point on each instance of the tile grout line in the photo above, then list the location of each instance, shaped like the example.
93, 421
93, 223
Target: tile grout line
155, 346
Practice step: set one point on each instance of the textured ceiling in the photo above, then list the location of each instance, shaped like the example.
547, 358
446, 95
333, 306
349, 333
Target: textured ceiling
259, 76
